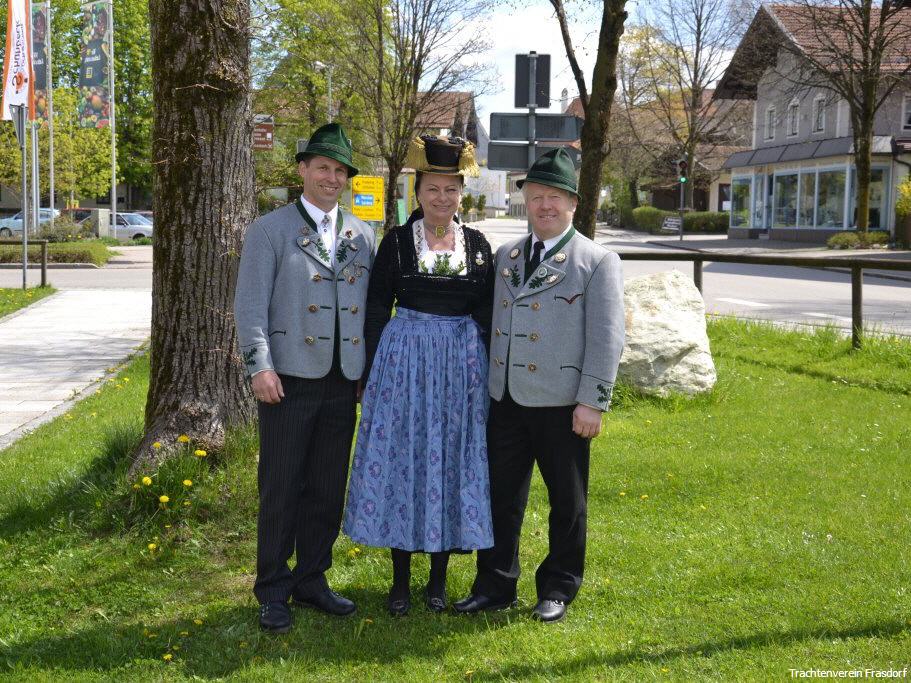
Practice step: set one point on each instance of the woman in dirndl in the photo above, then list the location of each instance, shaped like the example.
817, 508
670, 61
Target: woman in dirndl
419, 478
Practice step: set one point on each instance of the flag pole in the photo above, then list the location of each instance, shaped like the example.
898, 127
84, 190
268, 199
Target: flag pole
112, 119
50, 110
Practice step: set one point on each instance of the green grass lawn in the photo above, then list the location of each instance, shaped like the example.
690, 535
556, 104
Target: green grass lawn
736, 536
11, 300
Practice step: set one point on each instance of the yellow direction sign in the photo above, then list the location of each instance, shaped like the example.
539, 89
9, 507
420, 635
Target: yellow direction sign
367, 197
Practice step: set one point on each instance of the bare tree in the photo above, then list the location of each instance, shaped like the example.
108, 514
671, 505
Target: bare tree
203, 201
596, 104
856, 50
687, 45
406, 52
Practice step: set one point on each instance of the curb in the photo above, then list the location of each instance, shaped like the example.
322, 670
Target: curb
65, 266
867, 273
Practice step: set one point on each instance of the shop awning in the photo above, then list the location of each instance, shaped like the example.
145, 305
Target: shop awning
799, 151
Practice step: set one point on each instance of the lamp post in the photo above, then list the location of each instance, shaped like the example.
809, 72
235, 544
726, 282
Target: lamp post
328, 69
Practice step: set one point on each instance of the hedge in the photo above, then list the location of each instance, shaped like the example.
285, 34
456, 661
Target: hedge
650, 219
59, 252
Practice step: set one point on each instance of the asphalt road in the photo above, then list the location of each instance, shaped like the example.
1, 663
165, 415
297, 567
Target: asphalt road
805, 296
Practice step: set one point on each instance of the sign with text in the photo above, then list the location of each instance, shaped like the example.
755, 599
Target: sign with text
553, 127
671, 224
263, 130
367, 197
512, 156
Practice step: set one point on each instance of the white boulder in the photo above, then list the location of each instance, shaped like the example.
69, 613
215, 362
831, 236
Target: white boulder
667, 348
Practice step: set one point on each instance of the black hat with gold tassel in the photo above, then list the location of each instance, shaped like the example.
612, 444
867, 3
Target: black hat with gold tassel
441, 155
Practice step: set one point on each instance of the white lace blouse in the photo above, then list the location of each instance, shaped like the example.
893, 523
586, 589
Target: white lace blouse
443, 262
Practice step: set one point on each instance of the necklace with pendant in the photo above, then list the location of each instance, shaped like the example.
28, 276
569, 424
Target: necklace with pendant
440, 230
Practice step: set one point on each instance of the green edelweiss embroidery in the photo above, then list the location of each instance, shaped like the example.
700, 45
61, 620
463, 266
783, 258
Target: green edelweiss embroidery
536, 282
603, 394
321, 248
441, 266
250, 357
342, 252
514, 276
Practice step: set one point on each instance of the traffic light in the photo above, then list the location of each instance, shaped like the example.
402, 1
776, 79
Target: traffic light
682, 167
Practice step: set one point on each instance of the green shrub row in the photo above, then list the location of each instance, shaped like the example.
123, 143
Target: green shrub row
650, 219
858, 240
59, 252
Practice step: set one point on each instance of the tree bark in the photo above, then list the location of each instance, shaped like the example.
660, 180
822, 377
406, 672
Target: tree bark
633, 189
203, 201
597, 115
392, 178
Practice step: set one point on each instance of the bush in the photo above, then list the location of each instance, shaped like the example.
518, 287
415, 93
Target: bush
60, 252
65, 230
706, 221
903, 200
649, 218
858, 240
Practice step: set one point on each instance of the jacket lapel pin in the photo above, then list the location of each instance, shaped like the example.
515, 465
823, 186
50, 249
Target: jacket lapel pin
479, 258
505, 272
514, 253
348, 233
542, 271
560, 258
305, 242
551, 279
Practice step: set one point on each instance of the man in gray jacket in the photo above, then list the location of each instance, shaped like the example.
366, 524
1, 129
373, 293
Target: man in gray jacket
299, 309
558, 332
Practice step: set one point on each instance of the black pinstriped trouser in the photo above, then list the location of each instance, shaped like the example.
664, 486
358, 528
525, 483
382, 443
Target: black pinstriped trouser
304, 447
517, 438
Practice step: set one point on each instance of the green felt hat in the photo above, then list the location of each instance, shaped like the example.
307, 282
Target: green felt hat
555, 168
330, 141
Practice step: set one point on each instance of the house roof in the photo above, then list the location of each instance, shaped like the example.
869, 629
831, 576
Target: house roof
439, 109
817, 31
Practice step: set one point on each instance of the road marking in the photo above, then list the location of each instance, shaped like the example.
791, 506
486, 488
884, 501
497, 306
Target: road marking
743, 302
826, 315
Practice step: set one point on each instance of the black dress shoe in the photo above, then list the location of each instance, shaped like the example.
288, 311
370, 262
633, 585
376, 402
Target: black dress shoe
549, 610
275, 617
398, 607
325, 600
436, 602
481, 603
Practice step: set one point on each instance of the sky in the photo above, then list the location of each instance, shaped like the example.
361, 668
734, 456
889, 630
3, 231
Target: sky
513, 31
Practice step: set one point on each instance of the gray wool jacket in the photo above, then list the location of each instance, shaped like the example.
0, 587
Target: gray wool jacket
288, 295
557, 337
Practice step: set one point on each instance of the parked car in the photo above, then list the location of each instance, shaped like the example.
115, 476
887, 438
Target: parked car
13, 225
132, 226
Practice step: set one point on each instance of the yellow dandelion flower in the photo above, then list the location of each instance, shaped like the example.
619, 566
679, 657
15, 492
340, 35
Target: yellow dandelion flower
147, 481
623, 493
136, 486
644, 496
368, 621
188, 482
184, 634
164, 499
243, 644
183, 438
152, 547
198, 622
167, 526
156, 445
167, 656
199, 453
186, 503
68, 416
126, 379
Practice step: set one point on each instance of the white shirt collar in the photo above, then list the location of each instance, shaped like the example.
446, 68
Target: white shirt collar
553, 241
317, 213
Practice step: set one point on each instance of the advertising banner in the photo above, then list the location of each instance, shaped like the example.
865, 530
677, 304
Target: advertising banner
94, 104
41, 43
18, 82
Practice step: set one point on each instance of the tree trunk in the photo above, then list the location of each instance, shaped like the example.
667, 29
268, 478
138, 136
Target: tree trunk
633, 189
862, 161
392, 178
597, 116
203, 202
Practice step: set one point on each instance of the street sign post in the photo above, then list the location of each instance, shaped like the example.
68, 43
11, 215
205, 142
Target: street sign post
263, 131
556, 127
513, 156
367, 197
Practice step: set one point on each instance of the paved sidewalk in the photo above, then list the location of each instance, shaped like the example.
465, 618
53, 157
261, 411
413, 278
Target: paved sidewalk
55, 349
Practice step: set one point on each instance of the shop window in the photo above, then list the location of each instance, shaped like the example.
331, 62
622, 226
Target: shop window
785, 215
740, 202
830, 200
